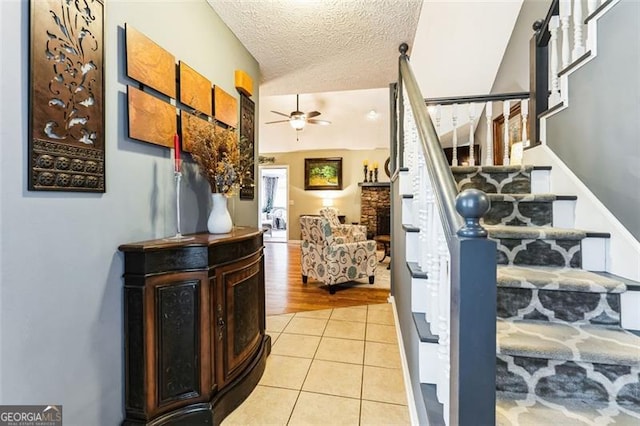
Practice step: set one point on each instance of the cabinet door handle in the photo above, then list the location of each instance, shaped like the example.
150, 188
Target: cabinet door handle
221, 325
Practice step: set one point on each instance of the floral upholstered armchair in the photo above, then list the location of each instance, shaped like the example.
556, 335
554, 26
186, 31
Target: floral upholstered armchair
330, 259
351, 233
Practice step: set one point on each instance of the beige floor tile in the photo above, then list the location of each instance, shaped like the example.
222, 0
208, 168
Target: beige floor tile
383, 385
380, 316
379, 413
345, 329
274, 337
265, 405
334, 378
308, 326
382, 355
277, 323
349, 314
320, 314
296, 345
381, 333
381, 306
285, 371
341, 350
317, 409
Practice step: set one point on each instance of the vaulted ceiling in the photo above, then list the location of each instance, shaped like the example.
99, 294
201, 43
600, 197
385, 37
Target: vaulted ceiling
329, 50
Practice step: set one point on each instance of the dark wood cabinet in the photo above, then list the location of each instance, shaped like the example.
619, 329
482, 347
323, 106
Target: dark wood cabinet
194, 322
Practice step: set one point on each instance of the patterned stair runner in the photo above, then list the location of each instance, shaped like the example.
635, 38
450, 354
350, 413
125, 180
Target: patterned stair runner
562, 356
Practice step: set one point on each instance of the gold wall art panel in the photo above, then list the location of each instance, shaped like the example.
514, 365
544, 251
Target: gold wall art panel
151, 119
149, 63
195, 90
225, 107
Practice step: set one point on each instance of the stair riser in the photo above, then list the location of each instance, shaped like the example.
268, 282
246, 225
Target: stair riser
562, 253
559, 306
520, 213
495, 182
596, 383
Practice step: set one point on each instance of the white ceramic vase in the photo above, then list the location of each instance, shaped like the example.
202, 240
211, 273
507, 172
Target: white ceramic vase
219, 219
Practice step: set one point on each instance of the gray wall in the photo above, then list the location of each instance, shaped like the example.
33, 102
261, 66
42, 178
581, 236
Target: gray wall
598, 135
401, 279
60, 271
513, 74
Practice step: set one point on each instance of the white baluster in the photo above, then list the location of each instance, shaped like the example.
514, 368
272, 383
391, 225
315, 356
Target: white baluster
565, 13
554, 25
472, 128
489, 116
438, 117
578, 43
454, 121
592, 5
443, 319
524, 108
422, 212
506, 110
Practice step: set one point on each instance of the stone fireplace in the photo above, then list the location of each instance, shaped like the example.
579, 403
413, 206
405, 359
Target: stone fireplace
375, 207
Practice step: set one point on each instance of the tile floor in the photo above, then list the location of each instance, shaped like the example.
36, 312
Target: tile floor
329, 367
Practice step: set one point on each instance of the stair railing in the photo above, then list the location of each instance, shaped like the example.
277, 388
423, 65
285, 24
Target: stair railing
466, 110
562, 40
459, 260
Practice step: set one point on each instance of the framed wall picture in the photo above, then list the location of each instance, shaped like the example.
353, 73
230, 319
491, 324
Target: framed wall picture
323, 173
66, 96
149, 63
515, 132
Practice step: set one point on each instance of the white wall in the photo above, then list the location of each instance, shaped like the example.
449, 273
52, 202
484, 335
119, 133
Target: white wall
61, 305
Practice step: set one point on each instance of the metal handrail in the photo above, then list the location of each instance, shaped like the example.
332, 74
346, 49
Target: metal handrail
477, 98
437, 166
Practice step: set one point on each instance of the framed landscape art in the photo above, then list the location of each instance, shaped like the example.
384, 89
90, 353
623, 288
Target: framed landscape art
323, 173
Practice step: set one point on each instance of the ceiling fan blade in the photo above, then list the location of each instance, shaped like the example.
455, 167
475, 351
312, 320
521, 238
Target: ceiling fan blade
280, 113
313, 114
279, 121
322, 122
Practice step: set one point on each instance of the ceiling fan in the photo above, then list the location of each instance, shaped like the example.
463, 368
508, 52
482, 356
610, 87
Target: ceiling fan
298, 119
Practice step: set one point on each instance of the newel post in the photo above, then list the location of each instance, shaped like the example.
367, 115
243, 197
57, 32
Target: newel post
538, 79
473, 316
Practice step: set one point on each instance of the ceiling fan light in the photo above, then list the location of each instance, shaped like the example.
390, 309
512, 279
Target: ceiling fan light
297, 122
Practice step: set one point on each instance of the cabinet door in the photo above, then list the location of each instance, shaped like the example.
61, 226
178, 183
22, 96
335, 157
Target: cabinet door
243, 314
177, 357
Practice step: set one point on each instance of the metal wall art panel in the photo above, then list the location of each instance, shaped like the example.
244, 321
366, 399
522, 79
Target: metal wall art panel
66, 96
195, 90
149, 63
187, 123
151, 119
225, 107
247, 144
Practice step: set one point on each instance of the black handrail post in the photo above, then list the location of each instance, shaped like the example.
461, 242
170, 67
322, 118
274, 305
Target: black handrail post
538, 80
404, 48
393, 119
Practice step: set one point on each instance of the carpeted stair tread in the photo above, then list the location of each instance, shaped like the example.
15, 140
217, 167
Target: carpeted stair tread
579, 343
519, 410
559, 279
523, 198
491, 169
534, 233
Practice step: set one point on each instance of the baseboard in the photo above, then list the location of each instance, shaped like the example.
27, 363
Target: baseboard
411, 402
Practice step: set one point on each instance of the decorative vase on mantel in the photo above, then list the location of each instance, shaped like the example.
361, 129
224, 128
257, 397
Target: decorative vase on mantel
219, 221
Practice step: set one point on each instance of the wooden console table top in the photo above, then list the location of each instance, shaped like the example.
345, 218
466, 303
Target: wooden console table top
199, 240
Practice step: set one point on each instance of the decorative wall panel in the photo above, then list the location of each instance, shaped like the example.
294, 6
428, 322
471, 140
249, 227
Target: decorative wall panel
195, 90
225, 107
247, 143
149, 63
66, 98
187, 123
151, 119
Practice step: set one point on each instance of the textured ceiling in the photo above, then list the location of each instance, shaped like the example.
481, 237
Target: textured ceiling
307, 46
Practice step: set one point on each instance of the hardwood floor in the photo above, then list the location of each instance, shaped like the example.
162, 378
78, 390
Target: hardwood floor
286, 293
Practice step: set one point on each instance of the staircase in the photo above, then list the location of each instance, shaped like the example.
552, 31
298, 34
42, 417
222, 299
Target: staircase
562, 356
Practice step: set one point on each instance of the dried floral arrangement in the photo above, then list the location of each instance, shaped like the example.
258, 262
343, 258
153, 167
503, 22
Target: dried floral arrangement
215, 150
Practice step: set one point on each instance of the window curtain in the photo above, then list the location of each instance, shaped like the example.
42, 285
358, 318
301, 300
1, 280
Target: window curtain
270, 186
